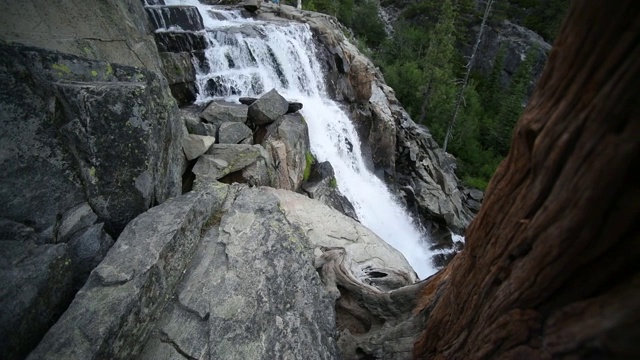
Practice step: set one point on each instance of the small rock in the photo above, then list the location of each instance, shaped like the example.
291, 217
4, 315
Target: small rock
196, 145
293, 107
233, 133
247, 100
476, 195
268, 108
75, 219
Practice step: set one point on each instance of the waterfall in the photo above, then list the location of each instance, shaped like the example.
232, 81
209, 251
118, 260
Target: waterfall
246, 57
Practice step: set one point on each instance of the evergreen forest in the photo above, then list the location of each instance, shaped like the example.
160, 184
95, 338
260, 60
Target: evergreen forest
423, 62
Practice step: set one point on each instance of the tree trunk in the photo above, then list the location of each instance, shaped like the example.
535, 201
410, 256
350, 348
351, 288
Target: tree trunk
550, 268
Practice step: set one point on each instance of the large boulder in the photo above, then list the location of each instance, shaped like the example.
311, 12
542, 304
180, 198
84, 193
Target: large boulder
287, 141
218, 112
227, 159
35, 288
84, 130
87, 248
225, 272
268, 108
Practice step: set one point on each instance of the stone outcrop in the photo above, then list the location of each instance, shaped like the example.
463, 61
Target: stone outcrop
179, 35
84, 131
113, 31
221, 272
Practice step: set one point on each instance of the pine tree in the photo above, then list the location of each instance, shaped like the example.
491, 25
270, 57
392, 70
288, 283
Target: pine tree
439, 89
460, 99
512, 108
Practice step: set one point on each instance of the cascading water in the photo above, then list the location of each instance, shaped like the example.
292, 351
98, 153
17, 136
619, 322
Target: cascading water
247, 58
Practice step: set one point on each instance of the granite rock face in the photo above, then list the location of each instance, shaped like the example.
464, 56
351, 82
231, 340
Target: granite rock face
222, 272
84, 130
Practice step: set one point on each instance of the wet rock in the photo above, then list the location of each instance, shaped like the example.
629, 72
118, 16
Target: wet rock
196, 145
268, 108
233, 132
322, 186
36, 288
179, 71
183, 17
294, 107
252, 5
180, 41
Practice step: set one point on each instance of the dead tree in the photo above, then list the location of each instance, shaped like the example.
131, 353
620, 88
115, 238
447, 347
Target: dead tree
465, 81
550, 268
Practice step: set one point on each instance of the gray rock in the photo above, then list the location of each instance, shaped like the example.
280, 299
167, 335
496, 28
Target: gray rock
84, 130
87, 249
227, 265
179, 71
185, 17
287, 141
196, 145
476, 194
14, 231
473, 205
219, 112
247, 100
294, 107
224, 159
178, 42
115, 31
322, 186
77, 218
233, 132
36, 288
194, 123
268, 108
113, 313
252, 5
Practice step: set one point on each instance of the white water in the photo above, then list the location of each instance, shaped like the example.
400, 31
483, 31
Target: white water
283, 56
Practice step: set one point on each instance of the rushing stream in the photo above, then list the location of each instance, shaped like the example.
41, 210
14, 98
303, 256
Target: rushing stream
247, 58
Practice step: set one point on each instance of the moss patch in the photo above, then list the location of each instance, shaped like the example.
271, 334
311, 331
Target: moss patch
333, 183
307, 169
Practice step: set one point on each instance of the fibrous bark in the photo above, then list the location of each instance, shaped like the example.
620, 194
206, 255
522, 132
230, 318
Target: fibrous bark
550, 265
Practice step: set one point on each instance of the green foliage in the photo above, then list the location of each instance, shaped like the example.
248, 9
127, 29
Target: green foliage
333, 183
310, 160
423, 64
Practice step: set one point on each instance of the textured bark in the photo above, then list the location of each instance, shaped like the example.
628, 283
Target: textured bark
550, 268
